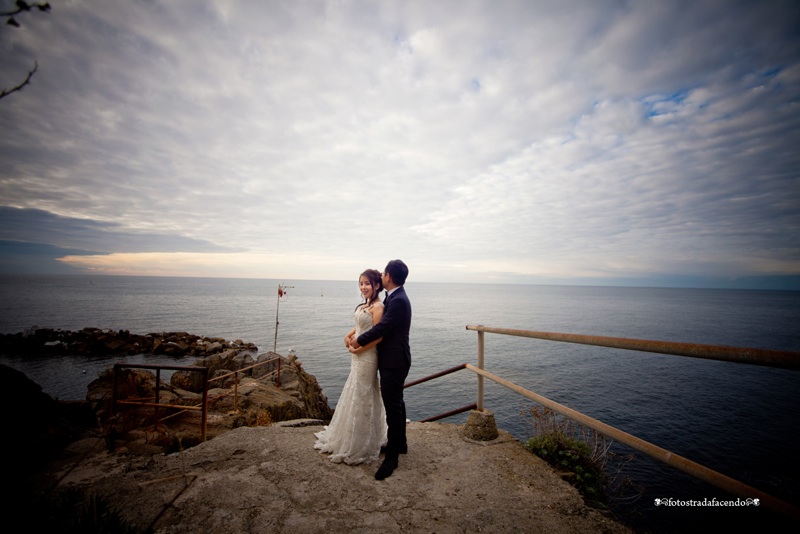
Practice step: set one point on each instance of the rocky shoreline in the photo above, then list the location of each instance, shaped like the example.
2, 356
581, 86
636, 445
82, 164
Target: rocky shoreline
92, 341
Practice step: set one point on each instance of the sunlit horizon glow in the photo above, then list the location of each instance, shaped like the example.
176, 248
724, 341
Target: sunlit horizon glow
581, 142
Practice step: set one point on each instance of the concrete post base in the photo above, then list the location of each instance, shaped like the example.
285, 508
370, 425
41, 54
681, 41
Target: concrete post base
480, 426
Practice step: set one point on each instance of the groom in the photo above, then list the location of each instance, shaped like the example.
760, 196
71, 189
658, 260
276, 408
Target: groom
394, 361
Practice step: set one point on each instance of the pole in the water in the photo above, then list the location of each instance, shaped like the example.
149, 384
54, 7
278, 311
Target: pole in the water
281, 294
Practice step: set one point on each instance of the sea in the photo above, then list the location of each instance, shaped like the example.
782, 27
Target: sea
739, 419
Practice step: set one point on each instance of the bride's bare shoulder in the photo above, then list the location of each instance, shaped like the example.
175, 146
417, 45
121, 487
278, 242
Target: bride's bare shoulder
377, 310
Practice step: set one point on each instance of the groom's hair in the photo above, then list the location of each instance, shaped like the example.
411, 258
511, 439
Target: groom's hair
398, 271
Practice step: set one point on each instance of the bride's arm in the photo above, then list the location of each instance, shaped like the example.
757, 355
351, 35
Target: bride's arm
348, 337
368, 346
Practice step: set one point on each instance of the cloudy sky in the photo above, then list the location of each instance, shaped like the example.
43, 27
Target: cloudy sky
608, 142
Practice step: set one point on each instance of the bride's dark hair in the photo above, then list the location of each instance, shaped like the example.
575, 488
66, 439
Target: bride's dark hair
374, 278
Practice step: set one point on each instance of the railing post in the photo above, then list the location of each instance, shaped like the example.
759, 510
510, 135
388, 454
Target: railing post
112, 432
114, 376
480, 366
204, 413
236, 392
158, 396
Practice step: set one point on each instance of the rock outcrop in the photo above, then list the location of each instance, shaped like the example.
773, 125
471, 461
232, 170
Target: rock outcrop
103, 342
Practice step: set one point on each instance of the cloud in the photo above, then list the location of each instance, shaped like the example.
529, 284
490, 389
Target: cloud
476, 140
33, 258
38, 226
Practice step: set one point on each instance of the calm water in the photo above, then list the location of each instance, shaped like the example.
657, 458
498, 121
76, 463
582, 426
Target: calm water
738, 419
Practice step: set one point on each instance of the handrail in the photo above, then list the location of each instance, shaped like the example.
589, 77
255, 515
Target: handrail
439, 375
779, 359
235, 375
451, 413
158, 368
772, 358
259, 364
435, 375
202, 407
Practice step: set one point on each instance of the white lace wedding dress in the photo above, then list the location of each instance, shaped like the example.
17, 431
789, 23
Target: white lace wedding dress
358, 427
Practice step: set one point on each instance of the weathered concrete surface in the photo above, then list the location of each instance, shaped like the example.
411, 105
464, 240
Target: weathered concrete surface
271, 479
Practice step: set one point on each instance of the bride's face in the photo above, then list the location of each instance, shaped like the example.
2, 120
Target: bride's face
367, 290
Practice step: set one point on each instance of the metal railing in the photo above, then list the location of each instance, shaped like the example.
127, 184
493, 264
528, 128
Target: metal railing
451, 413
235, 375
770, 358
202, 407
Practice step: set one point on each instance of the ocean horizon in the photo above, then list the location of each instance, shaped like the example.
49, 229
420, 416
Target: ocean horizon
741, 420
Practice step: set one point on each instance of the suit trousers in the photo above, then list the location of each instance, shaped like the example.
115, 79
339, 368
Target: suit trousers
392, 382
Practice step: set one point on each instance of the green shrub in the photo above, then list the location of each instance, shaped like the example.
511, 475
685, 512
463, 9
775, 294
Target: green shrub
581, 453
575, 457
584, 455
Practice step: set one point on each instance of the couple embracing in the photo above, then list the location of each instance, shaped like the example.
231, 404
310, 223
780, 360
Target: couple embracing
370, 417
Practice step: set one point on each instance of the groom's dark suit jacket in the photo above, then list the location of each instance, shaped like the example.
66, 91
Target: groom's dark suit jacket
393, 350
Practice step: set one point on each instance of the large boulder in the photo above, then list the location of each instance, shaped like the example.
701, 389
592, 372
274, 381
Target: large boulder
188, 380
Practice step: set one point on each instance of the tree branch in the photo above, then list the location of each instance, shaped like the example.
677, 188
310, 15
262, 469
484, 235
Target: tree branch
22, 5
25, 6
5, 92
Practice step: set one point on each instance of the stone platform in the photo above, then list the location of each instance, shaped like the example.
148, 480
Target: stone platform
271, 479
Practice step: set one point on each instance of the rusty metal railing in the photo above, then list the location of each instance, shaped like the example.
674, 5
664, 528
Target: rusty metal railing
202, 407
235, 375
437, 375
771, 358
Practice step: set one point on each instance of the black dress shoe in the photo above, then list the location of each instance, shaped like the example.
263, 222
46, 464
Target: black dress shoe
403, 449
386, 469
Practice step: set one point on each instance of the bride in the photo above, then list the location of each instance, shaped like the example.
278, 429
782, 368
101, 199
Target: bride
358, 427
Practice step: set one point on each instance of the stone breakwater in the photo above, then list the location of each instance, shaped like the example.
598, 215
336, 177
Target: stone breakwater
103, 342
